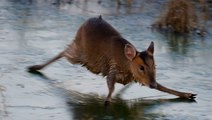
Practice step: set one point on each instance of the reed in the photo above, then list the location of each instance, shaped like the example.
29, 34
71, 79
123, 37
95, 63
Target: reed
179, 16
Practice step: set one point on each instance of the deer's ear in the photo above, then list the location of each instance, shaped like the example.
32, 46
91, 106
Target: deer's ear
129, 51
150, 49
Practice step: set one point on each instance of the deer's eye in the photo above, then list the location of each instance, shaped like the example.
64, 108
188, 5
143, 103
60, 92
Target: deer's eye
142, 68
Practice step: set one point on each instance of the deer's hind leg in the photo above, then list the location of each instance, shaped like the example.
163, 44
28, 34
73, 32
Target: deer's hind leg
69, 53
41, 66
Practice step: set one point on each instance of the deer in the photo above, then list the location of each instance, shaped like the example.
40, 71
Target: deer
100, 48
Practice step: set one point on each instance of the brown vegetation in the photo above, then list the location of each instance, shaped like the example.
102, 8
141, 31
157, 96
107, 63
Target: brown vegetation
179, 16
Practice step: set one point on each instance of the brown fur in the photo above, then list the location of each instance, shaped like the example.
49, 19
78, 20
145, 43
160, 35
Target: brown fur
104, 57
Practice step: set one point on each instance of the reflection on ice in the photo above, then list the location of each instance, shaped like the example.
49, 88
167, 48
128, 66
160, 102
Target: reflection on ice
90, 106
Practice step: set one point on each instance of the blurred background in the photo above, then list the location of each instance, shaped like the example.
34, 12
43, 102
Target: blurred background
33, 31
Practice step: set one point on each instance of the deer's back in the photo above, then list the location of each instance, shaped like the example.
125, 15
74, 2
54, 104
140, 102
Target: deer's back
100, 48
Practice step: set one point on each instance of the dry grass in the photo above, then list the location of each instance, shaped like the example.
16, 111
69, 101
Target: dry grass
179, 16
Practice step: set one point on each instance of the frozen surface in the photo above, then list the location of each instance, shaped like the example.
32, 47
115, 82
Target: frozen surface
32, 31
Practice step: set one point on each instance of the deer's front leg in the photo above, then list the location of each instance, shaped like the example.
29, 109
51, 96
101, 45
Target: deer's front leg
111, 86
177, 93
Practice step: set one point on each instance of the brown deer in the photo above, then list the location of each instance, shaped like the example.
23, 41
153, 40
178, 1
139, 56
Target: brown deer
102, 50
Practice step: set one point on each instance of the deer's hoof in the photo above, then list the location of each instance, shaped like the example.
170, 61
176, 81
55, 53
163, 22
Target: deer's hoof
107, 103
190, 96
35, 67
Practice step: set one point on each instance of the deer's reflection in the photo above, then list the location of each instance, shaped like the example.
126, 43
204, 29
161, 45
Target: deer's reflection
91, 107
